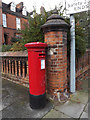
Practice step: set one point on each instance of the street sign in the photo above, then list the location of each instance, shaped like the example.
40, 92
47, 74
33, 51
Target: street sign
76, 6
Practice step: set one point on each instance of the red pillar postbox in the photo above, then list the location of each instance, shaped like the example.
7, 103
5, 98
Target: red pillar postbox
36, 62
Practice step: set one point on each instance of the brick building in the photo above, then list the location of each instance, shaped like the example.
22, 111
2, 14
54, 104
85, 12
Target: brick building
13, 19
0, 24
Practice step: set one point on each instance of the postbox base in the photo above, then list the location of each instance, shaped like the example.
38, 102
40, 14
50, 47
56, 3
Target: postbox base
37, 101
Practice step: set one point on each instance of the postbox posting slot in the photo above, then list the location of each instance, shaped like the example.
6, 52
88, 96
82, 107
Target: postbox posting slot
41, 54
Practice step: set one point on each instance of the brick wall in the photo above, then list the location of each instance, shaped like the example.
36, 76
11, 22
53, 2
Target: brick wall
11, 30
23, 22
82, 67
0, 22
83, 76
10, 33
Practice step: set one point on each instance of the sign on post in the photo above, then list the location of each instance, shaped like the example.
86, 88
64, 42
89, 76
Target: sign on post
76, 6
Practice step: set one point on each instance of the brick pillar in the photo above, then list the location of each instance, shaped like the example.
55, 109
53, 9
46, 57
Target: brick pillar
55, 33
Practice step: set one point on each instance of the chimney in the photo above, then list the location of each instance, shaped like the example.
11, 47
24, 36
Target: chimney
20, 5
42, 10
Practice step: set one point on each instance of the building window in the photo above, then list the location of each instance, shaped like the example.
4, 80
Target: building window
18, 26
13, 7
24, 12
18, 36
5, 39
4, 20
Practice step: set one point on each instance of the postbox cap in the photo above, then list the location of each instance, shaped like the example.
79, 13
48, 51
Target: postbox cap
36, 45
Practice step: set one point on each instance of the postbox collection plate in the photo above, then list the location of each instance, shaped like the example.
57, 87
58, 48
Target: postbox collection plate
42, 64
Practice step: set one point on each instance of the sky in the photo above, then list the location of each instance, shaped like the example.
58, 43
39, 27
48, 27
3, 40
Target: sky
47, 4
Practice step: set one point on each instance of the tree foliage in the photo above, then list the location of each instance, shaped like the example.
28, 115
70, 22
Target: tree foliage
14, 40
80, 41
6, 48
32, 31
80, 37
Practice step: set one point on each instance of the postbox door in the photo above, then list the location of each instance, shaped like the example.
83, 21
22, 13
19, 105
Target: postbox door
37, 73
42, 67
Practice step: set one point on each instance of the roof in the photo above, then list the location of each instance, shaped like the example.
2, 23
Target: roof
5, 6
6, 9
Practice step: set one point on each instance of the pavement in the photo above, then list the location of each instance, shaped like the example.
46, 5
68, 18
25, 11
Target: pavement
15, 104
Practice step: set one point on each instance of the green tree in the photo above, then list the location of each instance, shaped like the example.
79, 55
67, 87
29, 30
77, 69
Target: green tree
13, 40
32, 31
80, 38
6, 48
80, 41
83, 20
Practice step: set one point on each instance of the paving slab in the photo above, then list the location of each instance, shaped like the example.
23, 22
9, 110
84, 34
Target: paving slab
55, 114
13, 89
84, 115
0, 115
84, 119
16, 102
89, 109
0, 104
84, 86
71, 108
86, 109
22, 109
80, 97
4, 92
12, 92
0, 94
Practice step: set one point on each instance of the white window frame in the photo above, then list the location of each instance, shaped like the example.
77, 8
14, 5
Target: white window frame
24, 12
18, 23
4, 20
13, 7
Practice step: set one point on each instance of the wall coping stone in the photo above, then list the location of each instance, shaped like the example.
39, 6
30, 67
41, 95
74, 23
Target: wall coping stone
55, 22
14, 54
20, 53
